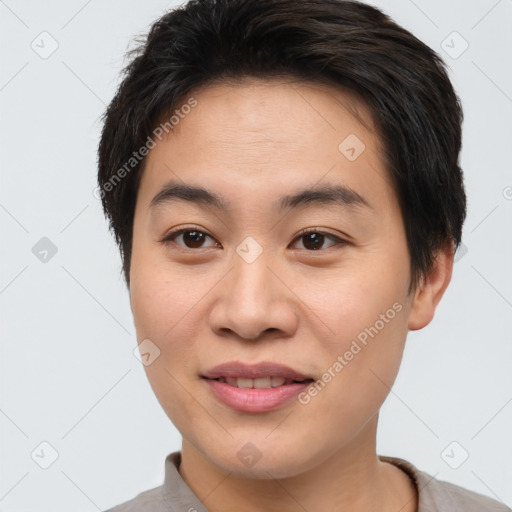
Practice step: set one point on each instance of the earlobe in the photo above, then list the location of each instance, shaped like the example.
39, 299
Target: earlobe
431, 289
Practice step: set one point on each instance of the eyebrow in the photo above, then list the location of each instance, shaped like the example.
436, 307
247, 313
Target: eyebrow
328, 194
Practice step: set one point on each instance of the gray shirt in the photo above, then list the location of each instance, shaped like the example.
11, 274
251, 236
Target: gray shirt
434, 495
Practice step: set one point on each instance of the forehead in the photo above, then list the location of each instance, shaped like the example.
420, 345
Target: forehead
266, 136
287, 109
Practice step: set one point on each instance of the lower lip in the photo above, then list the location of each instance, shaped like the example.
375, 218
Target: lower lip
255, 400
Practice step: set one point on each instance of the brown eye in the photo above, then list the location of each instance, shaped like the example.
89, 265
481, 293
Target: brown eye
192, 238
313, 240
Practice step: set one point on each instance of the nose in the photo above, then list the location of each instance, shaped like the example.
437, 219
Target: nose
254, 299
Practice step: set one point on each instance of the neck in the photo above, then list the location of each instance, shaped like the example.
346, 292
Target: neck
351, 479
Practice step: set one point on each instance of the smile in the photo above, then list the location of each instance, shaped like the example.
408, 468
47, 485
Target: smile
259, 383
244, 394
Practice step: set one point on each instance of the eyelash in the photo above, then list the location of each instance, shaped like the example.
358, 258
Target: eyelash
169, 238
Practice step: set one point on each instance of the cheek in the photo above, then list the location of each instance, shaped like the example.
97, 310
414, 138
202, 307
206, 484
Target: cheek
354, 300
162, 298
167, 309
366, 313
163, 310
359, 371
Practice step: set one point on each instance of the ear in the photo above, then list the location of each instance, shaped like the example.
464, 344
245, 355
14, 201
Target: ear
431, 288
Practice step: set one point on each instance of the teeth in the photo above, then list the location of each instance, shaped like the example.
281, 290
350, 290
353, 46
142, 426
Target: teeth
260, 383
245, 383
278, 381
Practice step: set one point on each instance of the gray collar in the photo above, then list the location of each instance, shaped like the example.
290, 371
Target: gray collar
434, 495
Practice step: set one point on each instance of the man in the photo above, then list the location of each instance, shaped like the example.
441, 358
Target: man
282, 179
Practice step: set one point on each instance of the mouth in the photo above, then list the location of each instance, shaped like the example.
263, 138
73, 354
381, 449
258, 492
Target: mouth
261, 382
255, 388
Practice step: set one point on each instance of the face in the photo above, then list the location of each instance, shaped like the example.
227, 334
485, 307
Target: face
243, 283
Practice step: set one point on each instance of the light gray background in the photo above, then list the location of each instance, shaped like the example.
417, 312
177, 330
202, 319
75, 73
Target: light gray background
68, 373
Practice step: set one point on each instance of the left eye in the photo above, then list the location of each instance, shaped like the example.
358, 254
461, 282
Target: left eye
315, 239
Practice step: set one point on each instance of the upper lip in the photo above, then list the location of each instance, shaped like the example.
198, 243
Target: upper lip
253, 371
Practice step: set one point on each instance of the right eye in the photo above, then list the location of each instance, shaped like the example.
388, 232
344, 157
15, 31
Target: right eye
192, 238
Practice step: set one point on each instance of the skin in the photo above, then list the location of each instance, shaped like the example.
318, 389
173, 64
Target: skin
203, 305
